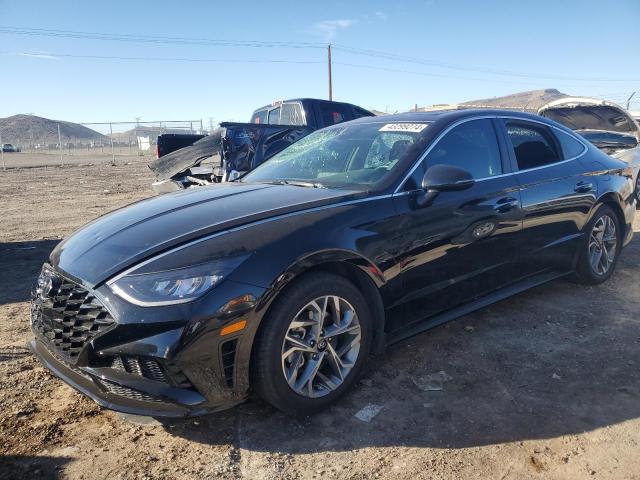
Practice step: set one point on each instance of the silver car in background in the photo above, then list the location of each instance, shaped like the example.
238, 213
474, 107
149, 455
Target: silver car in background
605, 124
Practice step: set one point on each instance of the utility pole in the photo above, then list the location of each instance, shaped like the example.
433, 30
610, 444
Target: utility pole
629, 99
113, 155
329, 63
4, 167
60, 146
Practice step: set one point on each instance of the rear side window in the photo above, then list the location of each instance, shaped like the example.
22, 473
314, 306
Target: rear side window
533, 145
292, 114
471, 145
259, 116
333, 113
571, 147
360, 112
274, 116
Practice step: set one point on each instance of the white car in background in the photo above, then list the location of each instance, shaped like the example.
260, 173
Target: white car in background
605, 124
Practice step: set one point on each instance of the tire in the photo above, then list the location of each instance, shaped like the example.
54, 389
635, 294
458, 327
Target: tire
270, 364
592, 272
637, 192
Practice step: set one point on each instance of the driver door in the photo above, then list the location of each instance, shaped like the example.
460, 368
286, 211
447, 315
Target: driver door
465, 243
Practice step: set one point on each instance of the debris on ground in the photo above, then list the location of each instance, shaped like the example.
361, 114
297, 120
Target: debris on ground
369, 412
432, 382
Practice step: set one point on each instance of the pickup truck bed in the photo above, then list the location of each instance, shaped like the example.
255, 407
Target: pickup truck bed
236, 148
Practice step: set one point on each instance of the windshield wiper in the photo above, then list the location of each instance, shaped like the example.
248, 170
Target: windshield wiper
296, 183
299, 183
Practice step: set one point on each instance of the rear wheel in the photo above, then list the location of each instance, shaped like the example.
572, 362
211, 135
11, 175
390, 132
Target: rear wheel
601, 247
312, 345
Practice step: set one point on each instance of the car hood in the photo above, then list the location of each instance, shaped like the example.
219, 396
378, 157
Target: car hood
609, 141
131, 234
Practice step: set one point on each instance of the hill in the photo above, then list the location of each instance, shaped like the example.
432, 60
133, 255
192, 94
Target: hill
29, 129
531, 100
145, 131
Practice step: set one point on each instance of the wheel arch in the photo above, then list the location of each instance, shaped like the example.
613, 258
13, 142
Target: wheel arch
356, 268
612, 200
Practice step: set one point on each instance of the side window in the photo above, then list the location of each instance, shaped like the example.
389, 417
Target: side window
292, 114
471, 145
571, 147
274, 116
533, 145
259, 116
387, 149
333, 113
360, 112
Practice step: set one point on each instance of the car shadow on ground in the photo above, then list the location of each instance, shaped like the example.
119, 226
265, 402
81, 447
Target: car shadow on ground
558, 360
13, 467
20, 264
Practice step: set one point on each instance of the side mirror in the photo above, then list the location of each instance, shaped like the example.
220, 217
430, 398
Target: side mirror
443, 178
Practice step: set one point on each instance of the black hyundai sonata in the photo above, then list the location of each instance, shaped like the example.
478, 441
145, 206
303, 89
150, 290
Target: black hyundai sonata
284, 282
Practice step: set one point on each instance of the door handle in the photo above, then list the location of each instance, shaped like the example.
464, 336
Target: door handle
583, 187
505, 204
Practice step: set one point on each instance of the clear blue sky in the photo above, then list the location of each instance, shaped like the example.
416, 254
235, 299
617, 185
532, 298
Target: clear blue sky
584, 44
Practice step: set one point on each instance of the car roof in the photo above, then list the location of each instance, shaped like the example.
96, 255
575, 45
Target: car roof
446, 115
306, 99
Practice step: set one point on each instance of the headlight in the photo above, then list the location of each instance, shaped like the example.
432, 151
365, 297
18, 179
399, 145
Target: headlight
169, 287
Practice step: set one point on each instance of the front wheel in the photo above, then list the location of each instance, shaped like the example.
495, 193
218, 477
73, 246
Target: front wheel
313, 344
601, 247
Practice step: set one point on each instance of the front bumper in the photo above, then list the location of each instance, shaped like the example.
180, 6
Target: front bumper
168, 361
93, 387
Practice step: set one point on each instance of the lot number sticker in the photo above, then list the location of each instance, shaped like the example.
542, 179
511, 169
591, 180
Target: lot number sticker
404, 127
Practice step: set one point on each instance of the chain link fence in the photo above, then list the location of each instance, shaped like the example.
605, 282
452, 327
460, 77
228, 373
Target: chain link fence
71, 141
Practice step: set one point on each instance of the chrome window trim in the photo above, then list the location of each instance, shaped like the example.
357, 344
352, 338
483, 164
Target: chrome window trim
482, 117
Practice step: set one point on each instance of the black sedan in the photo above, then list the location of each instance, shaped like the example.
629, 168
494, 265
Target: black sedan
284, 283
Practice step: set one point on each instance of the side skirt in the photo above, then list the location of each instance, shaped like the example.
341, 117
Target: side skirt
496, 296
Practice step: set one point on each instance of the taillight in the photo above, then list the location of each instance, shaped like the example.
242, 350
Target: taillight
157, 151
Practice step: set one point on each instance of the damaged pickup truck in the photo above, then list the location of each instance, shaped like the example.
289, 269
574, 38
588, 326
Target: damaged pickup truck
606, 125
234, 148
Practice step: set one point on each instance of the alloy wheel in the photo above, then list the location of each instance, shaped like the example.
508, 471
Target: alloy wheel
603, 244
321, 346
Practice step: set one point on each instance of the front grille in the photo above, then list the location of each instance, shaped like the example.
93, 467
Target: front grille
127, 392
66, 315
144, 367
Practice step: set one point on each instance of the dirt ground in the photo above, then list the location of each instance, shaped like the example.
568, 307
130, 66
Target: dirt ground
543, 385
73, 157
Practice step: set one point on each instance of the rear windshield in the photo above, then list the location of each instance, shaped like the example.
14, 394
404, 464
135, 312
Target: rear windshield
288, 113
344, 155
591, 117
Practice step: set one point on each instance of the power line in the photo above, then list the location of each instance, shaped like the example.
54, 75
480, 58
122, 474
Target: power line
42, 32
53, 56
156, 59
453, 66
459, 77
159, 39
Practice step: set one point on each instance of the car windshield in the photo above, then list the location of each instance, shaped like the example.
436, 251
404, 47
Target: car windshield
358, 155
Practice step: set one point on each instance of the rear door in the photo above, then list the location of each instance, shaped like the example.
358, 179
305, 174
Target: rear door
557, 192
465, 243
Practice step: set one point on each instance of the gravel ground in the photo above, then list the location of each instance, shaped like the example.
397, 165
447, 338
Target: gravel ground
543, 385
